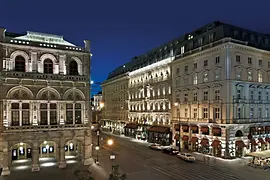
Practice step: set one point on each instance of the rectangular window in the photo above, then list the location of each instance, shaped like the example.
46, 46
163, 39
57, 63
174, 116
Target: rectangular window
195, 65
195, 113
249, 60
186, 68
217, 95
182, 49
205, 77
186, 97
238, 113
69, 113
205, 63
238, 96
260, 62
205, 95
177, 71
238, 58
259, 112
195, 79
217, 59
249, 75
205, 113
251, 112
259, 95
186, 113
259, 76
251, 95
195, 97
217, 113
217, 74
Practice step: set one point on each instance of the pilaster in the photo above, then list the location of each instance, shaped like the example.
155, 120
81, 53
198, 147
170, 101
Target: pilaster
87, 149
34, 61
35, 157
5, 170
61, 150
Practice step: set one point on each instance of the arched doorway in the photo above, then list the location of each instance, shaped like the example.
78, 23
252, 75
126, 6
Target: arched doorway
48, 153
73, 151
21, 156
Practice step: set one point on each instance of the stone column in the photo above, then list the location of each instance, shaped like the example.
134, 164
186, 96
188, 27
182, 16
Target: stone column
34, 61
62, 160
35, 157
87, 149
62, 64
5, 170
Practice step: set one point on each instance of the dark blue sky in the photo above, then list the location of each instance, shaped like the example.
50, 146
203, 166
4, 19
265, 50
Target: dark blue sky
122, 29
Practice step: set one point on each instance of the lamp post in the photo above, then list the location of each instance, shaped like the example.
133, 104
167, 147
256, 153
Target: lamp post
112, 156
97, 148
178, 116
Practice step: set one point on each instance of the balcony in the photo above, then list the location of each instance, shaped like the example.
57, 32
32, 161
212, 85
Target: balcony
32, 75
248, 120
33, 128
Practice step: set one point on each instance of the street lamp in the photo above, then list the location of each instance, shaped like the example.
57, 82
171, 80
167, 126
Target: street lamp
97, 148
112, 156
178, 116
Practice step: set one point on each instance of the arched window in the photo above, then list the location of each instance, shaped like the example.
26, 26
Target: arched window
78, 113
73, 113
73, 68
43, 114
20, 64
20, 112
48, 66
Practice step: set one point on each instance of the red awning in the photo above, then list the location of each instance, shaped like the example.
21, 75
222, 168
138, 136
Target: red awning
176, 127
194, 139
176, 137
131, 126
240, 144
159, 129
216, 130
185, 127
194, 128
204, 142
215, 143
204, 129
185, 138
267, 139
253, 142
261, 140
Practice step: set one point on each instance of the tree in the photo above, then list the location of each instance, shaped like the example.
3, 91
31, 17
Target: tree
115, 174
83, 175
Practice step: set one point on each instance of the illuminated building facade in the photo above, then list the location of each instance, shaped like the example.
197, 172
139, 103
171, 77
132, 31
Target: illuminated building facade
221, 91
45, 101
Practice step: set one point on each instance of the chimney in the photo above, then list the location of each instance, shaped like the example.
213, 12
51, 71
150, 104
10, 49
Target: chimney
87, 44
2, 34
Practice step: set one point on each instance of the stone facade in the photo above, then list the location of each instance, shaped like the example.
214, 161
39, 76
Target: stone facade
45, 87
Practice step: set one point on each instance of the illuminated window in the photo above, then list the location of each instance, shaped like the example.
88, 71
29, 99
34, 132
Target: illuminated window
195, 113
195, 79
249, 75
48, 66
15, 118
205, 77
182, 49
73, 68
20, 64
260, 77
217, 113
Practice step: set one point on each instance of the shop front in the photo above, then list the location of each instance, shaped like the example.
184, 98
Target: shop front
160, 135
130, 130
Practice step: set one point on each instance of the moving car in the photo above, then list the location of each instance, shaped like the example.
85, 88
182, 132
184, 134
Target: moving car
155, 146
171, 151
186, 157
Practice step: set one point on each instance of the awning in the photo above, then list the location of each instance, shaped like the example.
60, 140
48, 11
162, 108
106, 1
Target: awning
194, 128
185, 127
265, 154
194, 139
205, 142
131, 126
159, 129
240, 144
204, 129
253, 142
267, 139
261, 140
176, 137
216, 130
176, 127
215, 143
185, 138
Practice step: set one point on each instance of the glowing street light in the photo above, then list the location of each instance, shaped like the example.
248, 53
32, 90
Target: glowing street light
110, 142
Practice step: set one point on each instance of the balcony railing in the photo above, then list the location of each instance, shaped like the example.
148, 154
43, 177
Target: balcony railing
46, 127
248, 120
32, 75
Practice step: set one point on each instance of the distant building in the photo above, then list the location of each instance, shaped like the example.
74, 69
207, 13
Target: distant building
45, 98
97, 106
218, 91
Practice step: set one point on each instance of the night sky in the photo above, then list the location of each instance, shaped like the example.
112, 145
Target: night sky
122, 29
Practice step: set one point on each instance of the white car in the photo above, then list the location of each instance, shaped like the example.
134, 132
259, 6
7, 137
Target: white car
186, 157
155, 146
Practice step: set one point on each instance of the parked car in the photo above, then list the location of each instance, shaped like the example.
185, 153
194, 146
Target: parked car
171, 151
186, 157
155, 146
